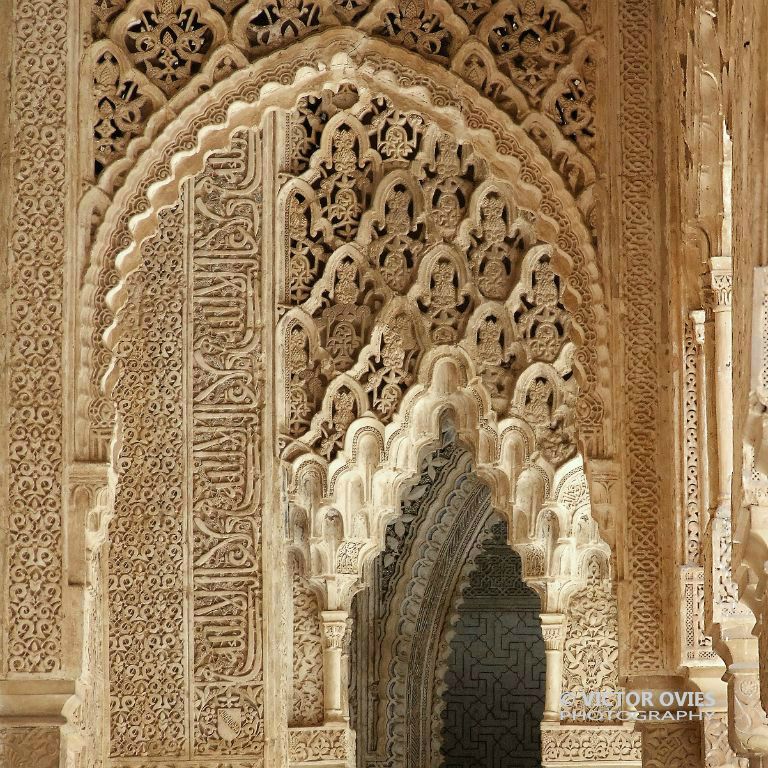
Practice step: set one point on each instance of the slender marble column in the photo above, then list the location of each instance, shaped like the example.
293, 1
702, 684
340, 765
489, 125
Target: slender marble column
553, 630
334, 628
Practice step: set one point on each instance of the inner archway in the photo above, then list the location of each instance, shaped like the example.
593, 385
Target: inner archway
447, 660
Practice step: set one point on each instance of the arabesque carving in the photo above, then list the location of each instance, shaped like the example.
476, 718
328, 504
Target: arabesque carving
307, 655
591, 651
675, 745
34, 301
259, 254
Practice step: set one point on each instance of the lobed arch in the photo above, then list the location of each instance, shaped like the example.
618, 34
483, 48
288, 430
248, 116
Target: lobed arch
346, 498
241, 99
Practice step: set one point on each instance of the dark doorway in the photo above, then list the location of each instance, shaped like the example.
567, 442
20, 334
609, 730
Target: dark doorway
494, 697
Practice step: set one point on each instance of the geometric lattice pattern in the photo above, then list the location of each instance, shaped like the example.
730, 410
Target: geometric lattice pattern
494, 702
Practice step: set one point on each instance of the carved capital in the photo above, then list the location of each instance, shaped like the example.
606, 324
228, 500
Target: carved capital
605, 489
748, 724
334, 629
553, 631
721, 281
699, 324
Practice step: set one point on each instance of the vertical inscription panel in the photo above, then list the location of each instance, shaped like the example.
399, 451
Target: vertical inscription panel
225, 396
185, 643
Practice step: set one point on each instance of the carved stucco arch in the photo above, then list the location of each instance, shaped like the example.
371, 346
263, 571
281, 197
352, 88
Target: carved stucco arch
375, 458
275, 81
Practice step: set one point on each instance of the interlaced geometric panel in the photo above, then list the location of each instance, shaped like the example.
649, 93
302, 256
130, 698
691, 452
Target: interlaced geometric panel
494, 701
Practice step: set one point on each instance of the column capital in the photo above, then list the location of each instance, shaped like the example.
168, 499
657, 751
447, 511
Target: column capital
721, 281
699, 321
334, 628
553, 630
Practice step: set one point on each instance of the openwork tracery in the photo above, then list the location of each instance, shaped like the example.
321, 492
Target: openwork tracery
398, 240
520, 53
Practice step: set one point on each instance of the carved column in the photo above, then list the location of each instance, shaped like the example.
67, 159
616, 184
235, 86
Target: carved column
751, 509
722, 289
728, 619
334, 629
553, 630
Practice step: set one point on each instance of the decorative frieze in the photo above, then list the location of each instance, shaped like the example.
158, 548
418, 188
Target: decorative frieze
592, 745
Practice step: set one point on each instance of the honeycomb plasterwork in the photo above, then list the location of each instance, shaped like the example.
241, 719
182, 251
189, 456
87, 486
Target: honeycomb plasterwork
131, 87
170, 50
363, 248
